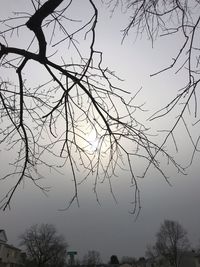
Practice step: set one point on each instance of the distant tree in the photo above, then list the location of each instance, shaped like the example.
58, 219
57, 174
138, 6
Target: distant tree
198, 247
44, 247
92, 258
129, 260
142, 261
172, 242
114, 260
151, 252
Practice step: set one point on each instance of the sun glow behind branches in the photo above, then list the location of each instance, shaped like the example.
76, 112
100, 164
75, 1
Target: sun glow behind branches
93, 141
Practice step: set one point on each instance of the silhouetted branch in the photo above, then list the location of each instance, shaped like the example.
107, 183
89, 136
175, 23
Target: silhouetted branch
54, 119
35, 23
173, 20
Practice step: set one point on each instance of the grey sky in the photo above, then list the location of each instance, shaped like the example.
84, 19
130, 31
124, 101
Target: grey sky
110, 228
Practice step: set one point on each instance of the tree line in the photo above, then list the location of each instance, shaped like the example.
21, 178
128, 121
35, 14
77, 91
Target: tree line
44, 247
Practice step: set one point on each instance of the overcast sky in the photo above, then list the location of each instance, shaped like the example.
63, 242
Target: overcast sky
110, 228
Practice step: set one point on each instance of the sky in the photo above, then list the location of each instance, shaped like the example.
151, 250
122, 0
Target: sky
110, 228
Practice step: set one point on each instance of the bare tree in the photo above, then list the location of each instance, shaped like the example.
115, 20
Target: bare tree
172, 242
151, 252
48, 121
92, 258
114, 260
44, 247
128, 260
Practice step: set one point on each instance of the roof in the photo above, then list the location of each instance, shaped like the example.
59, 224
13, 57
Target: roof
12, 247
3, 237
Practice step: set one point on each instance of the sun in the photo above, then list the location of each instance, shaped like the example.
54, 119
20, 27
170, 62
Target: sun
93, 141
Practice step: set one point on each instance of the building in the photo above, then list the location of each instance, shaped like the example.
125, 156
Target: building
10, 256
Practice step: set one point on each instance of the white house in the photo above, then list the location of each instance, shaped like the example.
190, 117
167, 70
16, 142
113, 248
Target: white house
10, 256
